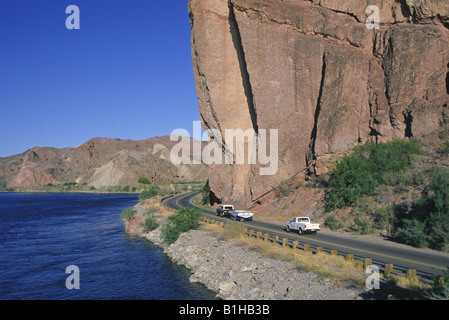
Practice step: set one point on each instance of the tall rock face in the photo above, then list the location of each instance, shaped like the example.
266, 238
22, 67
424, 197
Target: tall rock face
315, 72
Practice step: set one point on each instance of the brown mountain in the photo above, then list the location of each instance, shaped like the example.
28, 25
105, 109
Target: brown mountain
314, 71
99, 162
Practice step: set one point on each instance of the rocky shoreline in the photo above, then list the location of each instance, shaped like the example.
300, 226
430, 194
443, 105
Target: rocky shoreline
236, 272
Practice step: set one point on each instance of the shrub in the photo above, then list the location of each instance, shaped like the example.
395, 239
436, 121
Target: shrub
205, 192
445, 148
412, 232
384, 219
149, 193
128, 213
186, 219
332, 223
144, 180
440, 289
284, 190
150, 223
437, 202
359, 173
362, 225
427, 223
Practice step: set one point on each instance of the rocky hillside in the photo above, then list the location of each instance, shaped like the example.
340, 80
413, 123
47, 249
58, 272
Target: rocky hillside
313, 70
99, 162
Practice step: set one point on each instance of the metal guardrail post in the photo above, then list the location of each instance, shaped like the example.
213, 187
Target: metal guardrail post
295, 244
388, 269
284, 242
367, 262
411, 274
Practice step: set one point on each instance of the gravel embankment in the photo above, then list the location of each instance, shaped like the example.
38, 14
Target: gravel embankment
236, 272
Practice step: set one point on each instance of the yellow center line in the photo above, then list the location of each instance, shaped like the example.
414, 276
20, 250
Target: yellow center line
351, 248
182, 197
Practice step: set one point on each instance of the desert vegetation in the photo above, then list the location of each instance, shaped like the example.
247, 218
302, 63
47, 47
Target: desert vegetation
387, 187
184, 220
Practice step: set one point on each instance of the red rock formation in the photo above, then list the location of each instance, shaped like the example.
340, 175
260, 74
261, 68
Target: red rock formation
316, 73
99, 162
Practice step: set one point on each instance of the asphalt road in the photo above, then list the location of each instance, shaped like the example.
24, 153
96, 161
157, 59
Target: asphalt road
426, 262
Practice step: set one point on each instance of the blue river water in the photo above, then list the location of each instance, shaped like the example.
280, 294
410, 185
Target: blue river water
41, 234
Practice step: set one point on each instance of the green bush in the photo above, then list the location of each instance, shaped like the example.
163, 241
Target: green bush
384, 219
413, 233
186, 219
144, 180
149, 193
427, 223
440, 289
359, 173
332, 223
150, 223
205, 192
362, 225
437, 202
128, 213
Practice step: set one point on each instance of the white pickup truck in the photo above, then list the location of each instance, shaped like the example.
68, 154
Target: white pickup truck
302, 225
227, 210
224, 209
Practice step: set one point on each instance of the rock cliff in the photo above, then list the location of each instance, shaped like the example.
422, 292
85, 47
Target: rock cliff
100, 162
314, 71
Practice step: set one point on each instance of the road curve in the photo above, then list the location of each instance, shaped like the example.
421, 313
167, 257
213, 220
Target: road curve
426, 262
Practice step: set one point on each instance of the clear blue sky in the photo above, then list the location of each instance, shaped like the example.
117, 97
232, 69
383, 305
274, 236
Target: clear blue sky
126, 73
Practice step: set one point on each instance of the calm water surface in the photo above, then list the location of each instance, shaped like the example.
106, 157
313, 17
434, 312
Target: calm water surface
42, 234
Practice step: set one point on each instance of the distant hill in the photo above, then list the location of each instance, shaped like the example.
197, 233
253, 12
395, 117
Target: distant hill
100, 162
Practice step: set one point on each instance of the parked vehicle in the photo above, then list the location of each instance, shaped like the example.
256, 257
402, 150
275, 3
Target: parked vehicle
302, 225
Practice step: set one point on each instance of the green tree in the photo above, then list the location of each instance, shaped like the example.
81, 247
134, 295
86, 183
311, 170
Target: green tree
186, 219
437, 199
413, 233
359, 173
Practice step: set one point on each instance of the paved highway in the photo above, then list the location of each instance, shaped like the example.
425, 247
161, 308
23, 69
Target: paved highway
426, 262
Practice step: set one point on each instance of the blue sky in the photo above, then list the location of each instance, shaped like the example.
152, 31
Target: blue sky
126, 73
